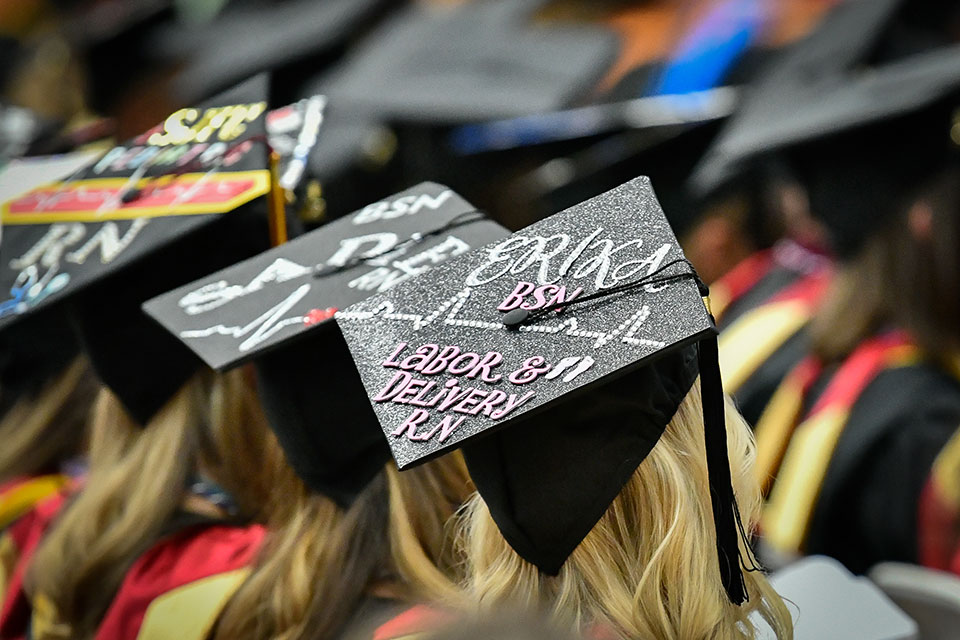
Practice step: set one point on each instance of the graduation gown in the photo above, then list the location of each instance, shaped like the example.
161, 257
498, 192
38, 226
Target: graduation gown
20, 495
844, 452
373, 613
178, 588
17, 546
412, 622
938, 526
761, 346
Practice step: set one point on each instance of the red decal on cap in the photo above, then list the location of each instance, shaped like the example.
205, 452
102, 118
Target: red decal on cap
315, 316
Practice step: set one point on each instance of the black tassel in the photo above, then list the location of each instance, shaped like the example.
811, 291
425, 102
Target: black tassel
725, 512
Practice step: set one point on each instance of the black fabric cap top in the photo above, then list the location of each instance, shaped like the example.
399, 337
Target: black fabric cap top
277, 309
147, 216
555, 358
33, 351
521, 472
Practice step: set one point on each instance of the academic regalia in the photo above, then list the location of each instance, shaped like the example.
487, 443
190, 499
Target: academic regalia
20, 495
411, 623
848, 449
178, 588
276, 310
376, 619
17, 546
766, 336
537, 349
938, 521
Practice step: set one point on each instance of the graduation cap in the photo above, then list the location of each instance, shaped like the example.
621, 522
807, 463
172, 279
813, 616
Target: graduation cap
277, 309
147, 216
844, 104
475, 61
31, 353
555, 358
248, 38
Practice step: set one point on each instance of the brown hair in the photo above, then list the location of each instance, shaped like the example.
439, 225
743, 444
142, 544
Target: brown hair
43, 429
901, 280
212, 423
320, 562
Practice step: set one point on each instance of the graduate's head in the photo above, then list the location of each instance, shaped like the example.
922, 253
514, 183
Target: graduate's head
166, 420
212, 428
46, 391
641, 570
890, 197
47, 427
345, 522
564, 361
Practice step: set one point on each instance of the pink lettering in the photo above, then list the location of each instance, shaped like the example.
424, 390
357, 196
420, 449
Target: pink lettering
496, 397
470, 401
482, 369
395, 386
455, 396
561, 295
441, 361
421, 357
418, 417
515, 299
409, 392
463, 363
447, 425
392, 360
418, 401
513, 402
529, 371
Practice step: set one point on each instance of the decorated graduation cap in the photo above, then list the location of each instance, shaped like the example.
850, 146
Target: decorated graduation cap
183, 199
555, 358
277, 309
861, 109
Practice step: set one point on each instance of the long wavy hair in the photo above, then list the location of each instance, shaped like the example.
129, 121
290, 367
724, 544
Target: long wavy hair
320, 561
42, 430
214, 424
644, 570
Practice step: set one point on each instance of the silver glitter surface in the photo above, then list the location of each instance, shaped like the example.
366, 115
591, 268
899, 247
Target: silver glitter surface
615, 238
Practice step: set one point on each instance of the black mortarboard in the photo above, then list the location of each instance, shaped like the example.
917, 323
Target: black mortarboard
842, 104
104, 241
568, 404
475, 61
277, 308
34, 351
253, 37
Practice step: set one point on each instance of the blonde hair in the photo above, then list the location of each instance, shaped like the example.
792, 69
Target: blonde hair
44, 429
320, 562
644, 570
137, 486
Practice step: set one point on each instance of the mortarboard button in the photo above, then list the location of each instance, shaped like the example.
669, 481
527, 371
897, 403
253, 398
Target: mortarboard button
514, 318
